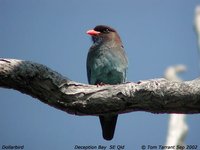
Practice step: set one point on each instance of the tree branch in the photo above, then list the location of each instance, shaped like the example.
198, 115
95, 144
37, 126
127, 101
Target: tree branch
178, 127
156, 96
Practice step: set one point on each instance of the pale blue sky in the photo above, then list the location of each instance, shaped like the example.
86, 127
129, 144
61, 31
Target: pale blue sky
155, 33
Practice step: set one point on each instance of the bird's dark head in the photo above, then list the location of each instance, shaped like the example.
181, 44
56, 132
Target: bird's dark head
102, 33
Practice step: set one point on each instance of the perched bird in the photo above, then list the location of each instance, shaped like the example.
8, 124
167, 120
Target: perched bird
106, 64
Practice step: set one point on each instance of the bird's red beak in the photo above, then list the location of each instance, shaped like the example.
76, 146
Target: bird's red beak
92, 32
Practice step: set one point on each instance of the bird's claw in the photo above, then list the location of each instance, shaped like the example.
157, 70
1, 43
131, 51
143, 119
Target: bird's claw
101, 84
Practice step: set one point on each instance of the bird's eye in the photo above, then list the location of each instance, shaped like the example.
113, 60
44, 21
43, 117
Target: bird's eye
106, 31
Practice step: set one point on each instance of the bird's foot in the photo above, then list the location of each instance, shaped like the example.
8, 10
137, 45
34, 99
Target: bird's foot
101, 84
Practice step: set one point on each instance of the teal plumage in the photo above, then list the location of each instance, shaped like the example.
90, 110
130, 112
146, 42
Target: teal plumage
106, 64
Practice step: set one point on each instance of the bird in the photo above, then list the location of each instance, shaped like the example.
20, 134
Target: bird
106, 64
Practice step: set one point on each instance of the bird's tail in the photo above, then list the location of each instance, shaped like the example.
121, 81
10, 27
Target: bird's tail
108, 123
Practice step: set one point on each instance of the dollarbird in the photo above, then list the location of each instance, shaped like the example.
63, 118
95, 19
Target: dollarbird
106, 64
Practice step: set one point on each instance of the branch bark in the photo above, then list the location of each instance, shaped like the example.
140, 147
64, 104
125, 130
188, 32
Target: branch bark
156, 95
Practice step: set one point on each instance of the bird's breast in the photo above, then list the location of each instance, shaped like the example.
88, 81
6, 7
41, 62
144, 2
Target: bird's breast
106, 67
